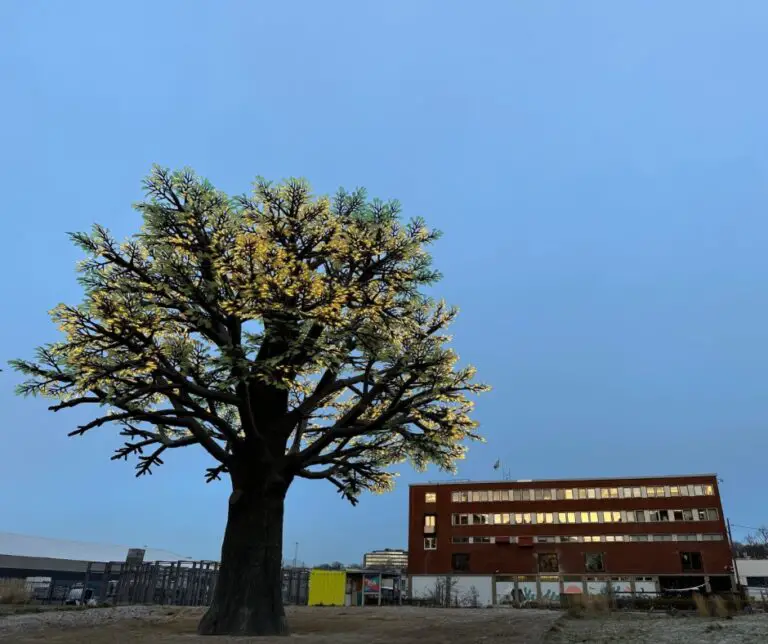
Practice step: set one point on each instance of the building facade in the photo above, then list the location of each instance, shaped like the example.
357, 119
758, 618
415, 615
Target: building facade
389, 559
506, 541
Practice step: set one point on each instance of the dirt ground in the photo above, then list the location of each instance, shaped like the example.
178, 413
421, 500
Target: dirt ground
404, 625
642, 628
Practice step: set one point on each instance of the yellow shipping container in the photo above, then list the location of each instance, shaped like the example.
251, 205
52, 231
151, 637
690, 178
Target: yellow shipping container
327, 588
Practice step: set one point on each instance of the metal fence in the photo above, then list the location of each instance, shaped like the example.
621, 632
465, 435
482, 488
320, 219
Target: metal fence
175, 583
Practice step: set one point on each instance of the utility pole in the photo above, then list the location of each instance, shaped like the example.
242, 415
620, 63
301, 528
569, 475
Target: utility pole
296, 555
733, 556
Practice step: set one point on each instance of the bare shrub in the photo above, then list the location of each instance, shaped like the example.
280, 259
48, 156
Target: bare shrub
13, 591
702, 605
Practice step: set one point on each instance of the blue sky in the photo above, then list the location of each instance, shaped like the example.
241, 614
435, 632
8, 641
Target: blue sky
599, 170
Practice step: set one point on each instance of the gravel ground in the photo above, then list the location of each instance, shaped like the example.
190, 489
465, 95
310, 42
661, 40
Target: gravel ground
637, 628
404, 625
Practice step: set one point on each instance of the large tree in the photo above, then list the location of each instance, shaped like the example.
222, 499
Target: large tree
287, 335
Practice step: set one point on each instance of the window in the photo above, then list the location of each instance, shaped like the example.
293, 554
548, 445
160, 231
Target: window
481, 540
569, 539
526, 495
687, 515
709, 490
539, 495
640, 516
702, 515
712, 514
757, 582
691, 560
638, 537
548, 562
515, 495
539, 517
430, 497
686, 537
582, 493
653, 515
663, 515
593, 517
711, 537
479, 519
674, 490
677, 515
459, 539
430, 543
546, 539
548, 494
593, 562
684, 491
459, 497
560, 494
460, 562
662, 537
637, 493
562, 517
698, 490
460, 519
571, 517
591, 493
626, 492
608, 517
430, 520
569, 495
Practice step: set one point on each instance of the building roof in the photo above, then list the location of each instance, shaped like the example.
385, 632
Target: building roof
564, 480
21, 545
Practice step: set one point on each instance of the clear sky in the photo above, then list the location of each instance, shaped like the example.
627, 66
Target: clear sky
599, 170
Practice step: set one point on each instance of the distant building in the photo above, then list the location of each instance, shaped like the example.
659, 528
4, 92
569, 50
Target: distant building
753, 575
25, 556
390, 559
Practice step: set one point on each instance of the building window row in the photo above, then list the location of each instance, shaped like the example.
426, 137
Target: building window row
595, 538
548, 562
573, 494
606, 516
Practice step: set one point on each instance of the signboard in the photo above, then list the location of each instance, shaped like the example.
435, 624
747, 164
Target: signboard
135, 556
372, 584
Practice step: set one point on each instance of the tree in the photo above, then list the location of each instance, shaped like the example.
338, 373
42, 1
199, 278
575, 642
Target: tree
287, 335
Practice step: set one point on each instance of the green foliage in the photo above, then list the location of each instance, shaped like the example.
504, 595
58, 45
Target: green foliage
286, 334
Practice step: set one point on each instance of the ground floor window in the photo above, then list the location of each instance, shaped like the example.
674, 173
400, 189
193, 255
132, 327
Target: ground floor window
593, 562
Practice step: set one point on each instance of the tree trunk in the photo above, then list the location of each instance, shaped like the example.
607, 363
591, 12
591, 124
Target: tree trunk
248, 596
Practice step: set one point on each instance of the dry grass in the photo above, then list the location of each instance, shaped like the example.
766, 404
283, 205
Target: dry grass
13, 591
309, 625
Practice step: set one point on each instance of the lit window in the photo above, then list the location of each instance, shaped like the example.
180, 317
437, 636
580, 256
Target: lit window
627, 492
605, 493
430, 497
650, 491
571, 517
614, 493
549, 517
616, 517
527, 517
593, 518
709, 490
562, 517
429, 520
569, 495
674, 490
619, 537
608, 517
548, 495
585, 517
582, 493
637, 492
518, 518
539, 517
610, 538
591, 493
430, 543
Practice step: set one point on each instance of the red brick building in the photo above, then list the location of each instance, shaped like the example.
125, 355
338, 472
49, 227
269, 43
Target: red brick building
536, 539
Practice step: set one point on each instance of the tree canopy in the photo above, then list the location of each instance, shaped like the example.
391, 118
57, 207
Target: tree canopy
284, 333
